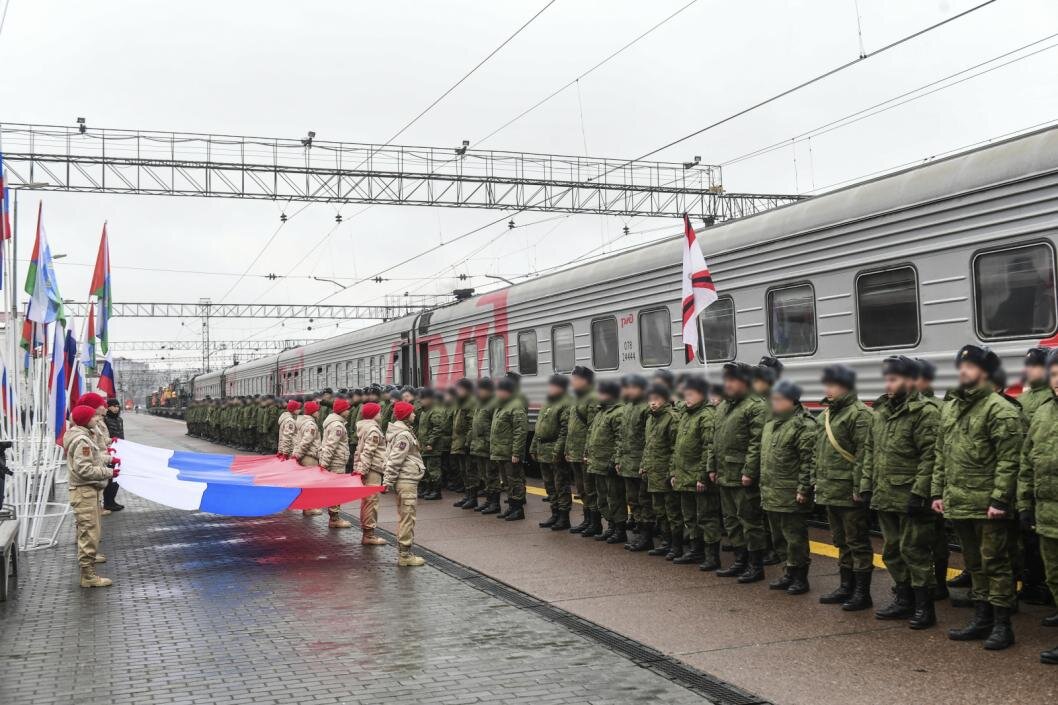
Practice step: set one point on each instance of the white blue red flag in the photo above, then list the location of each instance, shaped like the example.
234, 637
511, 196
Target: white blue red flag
100, 288
107, 380
45, 301
57, 385
698, 291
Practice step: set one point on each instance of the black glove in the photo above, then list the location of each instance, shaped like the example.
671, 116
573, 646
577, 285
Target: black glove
917, 506
1027, 519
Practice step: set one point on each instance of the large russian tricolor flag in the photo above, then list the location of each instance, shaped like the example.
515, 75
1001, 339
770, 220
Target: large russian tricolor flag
233, 485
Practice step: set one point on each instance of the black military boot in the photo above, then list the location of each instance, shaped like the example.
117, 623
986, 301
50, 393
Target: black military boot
517, 512
771, 557
754, 571
605, 535
471, 502
842, 592
547, 498
799, 583
1050, 657
620, 533
712, 558
1002, 635
1050, 621
783, 582
645, 541
693, 552
584, 524
460, 502
666, 544
548, 523
962, 580
493, 507
738, 567
861, 593
675, 547
925, 616
980, 625
940, 572
506, 512
595, 528
902, 606
563, 521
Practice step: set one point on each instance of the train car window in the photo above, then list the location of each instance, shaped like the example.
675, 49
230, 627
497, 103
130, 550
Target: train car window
361, 381
497, 357
792, 320
655, 338
717, 325
527, 352
563, 352
887, 308
605, 354
470, 359
373, 369
1014, 292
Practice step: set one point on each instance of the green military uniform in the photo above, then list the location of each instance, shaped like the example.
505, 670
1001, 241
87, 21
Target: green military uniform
581, 414
839, 474
787, 453
659, 440
483, 473
736, 454
630, 459
462, 420
445, 441
976, 465
600, 454
1034, 396
510, 427
1038, 485
898, 474
548, 449
430, 431
692, 458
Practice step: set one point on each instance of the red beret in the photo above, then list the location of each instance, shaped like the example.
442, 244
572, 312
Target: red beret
340, 405
311, 407
370, 410
91, 400
402, 410
83, 414
293, 406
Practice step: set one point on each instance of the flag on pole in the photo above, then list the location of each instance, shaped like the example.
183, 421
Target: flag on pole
45, 301
101, 290
698, 290
107, 380
88, 354
57, 385
5, 203
3, 391
72, 368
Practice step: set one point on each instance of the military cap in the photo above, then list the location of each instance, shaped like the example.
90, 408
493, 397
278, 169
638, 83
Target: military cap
327, 390
765, 373
343, 390
926, 369
113, 402
561, 381
585, 373
666, 377
659, 390
788, 389
1052, 357
486, 384
394, 394
506, 384
407, 388
979, 355
738, 370
1037, 356
466, 384
773, 363
900, 365
634, 380
427, 393
696, 383
998, 378
841, 375
609, 388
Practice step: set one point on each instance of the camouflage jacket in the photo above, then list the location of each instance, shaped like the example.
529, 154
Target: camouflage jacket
977, 454
370, 455
659, 442
633, 437
736, 447
287, 432
306, 437
82, 459
1038, 475
429, 429
481, 427
462, 420
552, 426
787, 451
600, 452
403, 461
581, 415
692, 453
510, 427
334, 449
899, 453
1034, 396
838, 477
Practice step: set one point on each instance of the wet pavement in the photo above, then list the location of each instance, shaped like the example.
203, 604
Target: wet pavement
209, 609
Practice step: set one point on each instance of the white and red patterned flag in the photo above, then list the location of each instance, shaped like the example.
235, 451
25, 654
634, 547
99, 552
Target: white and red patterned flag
698, 290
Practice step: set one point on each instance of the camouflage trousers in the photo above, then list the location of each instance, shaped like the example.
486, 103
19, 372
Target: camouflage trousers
490, 470
84, 501
547, 477
584, 481
667, 512
1049, 553
851, 533
513, 477
907, 547
743, 517
406, 492
639, 502
610, 489
561, 479
700, 515
789, 537
460, 463
986, 553
475, 473
431, 479
369, 504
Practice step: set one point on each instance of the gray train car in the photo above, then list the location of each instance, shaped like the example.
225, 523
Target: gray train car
917, 262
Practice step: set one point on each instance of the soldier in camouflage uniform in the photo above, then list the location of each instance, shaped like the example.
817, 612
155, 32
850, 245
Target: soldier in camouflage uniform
1037, 391
656, 470
736, 470
548, 449
484, 475
600, 455
462, 420
581, 414
334, 452
634, 412
696, 537
899, 471
510, 427
429, 431
974, 484
786, 457
840, 472
1038, 489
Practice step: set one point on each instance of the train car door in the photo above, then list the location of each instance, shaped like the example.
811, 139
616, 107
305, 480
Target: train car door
424, 365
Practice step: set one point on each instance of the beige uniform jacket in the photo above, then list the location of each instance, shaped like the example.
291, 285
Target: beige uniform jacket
101, 435
82, 459
306, 438
334, 450
403, 459
370, 447
287, 423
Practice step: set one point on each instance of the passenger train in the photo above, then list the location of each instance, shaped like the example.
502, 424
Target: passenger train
918, 262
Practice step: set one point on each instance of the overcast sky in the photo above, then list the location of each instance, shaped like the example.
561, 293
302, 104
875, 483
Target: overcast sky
357, 71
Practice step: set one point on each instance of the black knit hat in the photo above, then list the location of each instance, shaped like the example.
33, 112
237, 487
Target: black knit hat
979, 355
788, 389
1037, 356
561, 381
841, 375
609, 388
900, 365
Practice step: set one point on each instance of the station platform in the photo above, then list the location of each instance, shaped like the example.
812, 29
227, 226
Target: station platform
209, 609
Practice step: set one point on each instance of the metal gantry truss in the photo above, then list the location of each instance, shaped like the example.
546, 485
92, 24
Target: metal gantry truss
82, 159
236, 346
143, 309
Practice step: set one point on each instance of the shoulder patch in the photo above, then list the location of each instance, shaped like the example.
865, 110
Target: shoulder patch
402, 445
86, 451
